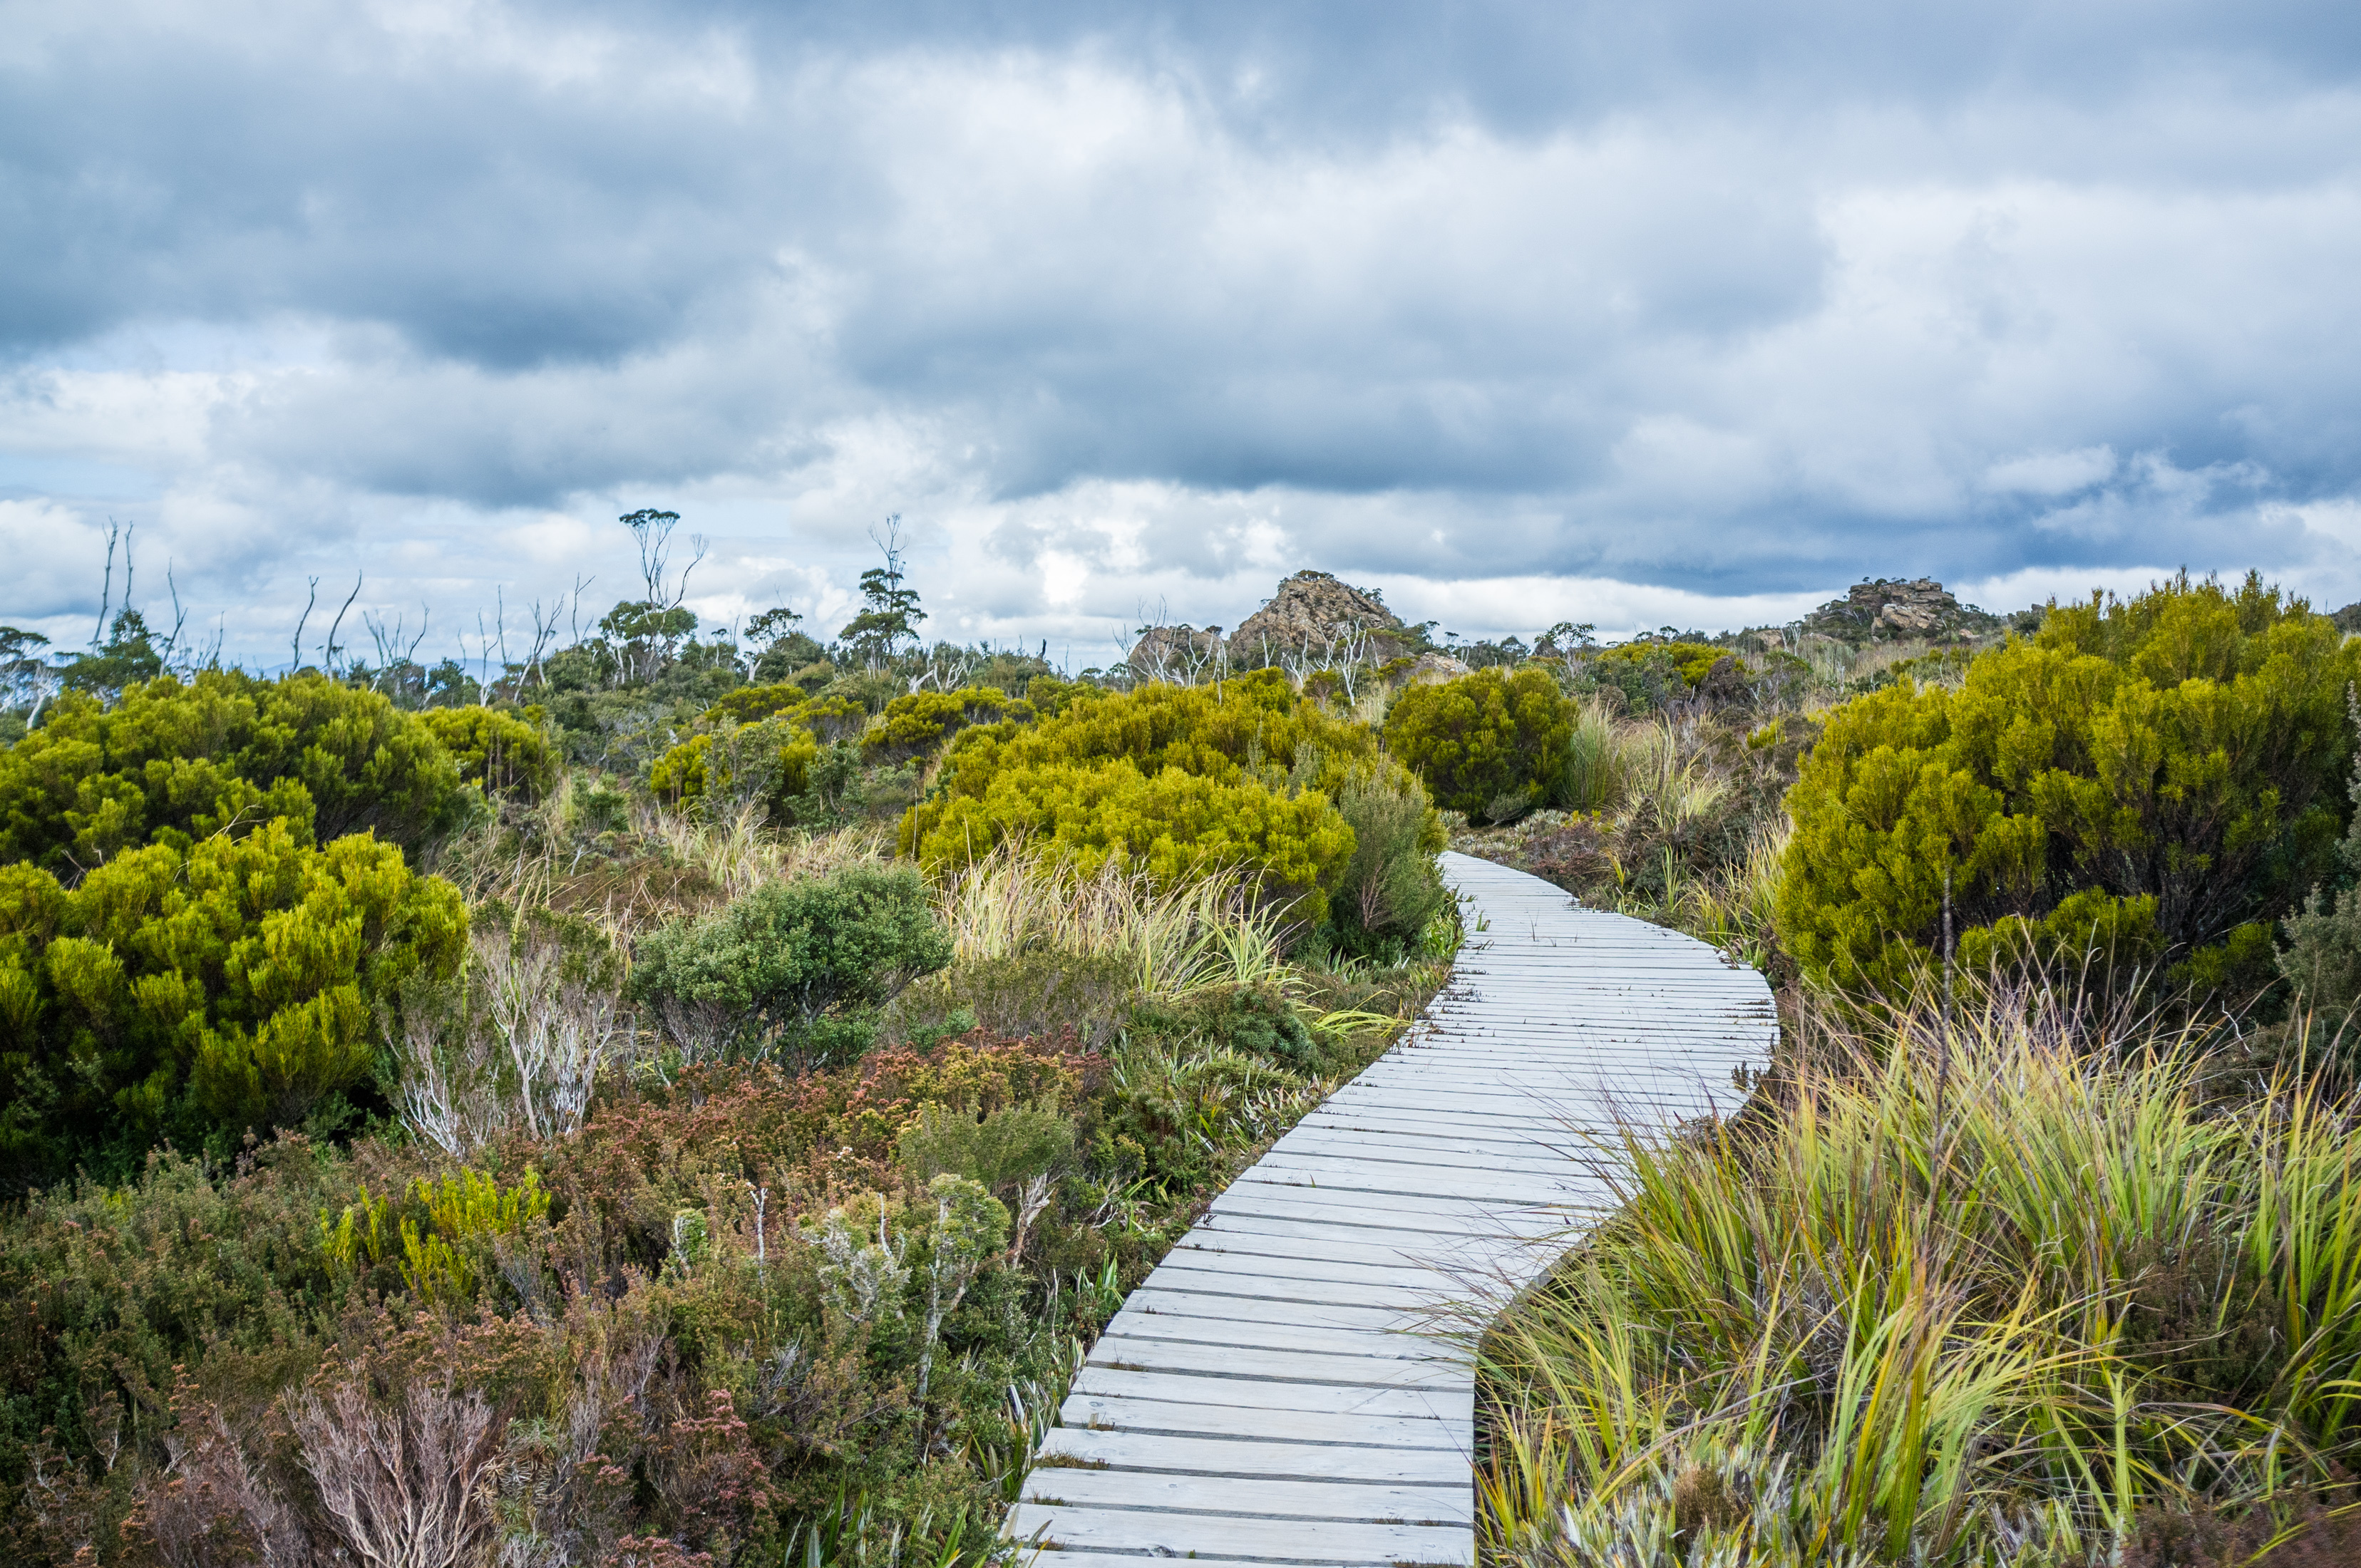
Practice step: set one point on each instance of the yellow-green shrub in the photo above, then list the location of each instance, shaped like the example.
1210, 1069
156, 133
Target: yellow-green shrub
442, 1251
506, 753
749, 704
914, 723
765, 761
1171, 824
831, 716
201, 992
1177, 780
1692, 659
1484, 743
170, 763
2151, 780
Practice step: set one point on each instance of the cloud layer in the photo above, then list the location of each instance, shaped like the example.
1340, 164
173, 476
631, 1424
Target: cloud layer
1689, 314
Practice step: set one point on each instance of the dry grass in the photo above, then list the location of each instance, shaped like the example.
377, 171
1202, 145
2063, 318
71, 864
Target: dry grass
738, 854
1171, 940
650, 866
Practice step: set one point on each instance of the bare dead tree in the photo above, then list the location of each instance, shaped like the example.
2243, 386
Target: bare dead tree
544, 633
211, 1496
329, 650
438, 1103
500, 623
393, 653
947, 668
1146, 636
107, 587
523, 1047
180, 618
408, 1487
295, 654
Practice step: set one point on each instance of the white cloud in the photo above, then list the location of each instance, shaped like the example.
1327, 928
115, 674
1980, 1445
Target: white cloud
1148, 309
2052, 473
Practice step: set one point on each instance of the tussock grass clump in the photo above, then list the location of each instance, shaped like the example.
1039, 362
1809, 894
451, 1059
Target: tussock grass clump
2013, 1291
627, 864
1172, 938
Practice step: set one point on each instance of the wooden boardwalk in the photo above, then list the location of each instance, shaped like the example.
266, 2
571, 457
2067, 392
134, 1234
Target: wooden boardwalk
1265, 1396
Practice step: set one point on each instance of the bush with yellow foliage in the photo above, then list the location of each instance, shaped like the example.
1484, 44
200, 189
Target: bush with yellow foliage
1177, 781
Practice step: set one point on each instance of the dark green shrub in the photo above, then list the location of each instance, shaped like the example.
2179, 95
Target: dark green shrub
1044, 992
1244, 1019
1391, 887
2322, 957
1650, 674
170, 763
1482, 739
197, 994
792, 966
127, 658
998, 1149
2145, 782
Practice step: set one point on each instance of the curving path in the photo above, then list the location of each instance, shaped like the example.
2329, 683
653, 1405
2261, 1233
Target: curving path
1264, 1396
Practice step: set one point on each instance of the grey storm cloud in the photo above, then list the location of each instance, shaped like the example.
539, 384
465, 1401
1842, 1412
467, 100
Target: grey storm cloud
1729, 298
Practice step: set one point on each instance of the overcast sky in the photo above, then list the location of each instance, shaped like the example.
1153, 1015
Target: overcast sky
1686, 312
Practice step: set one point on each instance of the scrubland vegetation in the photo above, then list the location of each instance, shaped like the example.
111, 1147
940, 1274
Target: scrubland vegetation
679, 1099
665, 1101
2037, 1244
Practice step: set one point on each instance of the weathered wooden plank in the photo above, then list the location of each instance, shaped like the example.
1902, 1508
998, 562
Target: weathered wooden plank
1374, 1171
1347, 1244
1270, 1278
1400, 1210
1520, 1125
1335, 1429
1246, 1456
1441, 1152
1157, 1303
1123, 1352
1248, 1332
1336, 1292
1352, 1501
1405, 1279
1530, 1136
1286, 1541
1068, 1559
1375, 1212
1398, 1178
1483, 1106
1271, 1394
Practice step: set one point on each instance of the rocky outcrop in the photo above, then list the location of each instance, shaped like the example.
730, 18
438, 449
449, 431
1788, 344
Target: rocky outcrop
1887, 610
1312, 622
1313, 614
